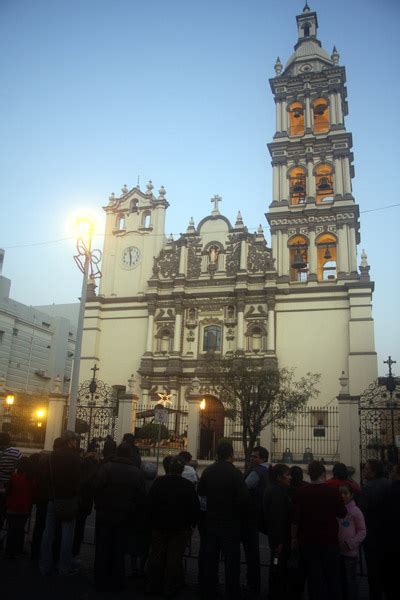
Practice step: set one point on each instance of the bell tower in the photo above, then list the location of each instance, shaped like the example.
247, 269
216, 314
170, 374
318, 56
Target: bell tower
313, 216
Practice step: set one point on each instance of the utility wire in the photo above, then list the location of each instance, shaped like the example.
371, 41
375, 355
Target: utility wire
265, 227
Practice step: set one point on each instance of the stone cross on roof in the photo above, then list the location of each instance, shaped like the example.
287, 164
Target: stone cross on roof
215, 199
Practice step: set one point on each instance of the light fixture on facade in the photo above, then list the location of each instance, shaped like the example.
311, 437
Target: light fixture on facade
10, 399
203, 404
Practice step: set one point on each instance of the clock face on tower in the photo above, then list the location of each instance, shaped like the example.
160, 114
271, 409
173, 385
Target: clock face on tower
130, 257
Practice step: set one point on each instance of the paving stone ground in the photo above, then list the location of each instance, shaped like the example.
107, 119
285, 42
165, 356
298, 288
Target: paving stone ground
20, 579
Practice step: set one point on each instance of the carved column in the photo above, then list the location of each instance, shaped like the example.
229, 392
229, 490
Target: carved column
343, 252
275, 183
332, 109
240, 323
346, 175
310, 178
338, 175
312, 256
183, 260
284, 183
307, 119
285, 253
274, 247
271, 324
151, 307
278, 117
353, 250
178, 328
339, 109
284, 116
243, 255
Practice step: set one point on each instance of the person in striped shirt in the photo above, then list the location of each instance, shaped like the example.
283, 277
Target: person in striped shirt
9, 457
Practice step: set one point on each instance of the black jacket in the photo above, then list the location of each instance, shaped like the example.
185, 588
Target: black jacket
119, 492
173, 503
61, 473
372, 500
226, 494
277, 508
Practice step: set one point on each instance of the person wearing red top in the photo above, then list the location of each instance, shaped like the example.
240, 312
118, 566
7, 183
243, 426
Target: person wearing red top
341, 477
18, 505
315, 532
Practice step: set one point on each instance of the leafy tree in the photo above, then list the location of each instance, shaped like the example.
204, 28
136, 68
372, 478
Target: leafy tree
149, 431
257, 392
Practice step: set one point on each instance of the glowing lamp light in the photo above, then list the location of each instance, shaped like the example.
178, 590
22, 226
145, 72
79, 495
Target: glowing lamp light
10, 399
203, 404
40, 413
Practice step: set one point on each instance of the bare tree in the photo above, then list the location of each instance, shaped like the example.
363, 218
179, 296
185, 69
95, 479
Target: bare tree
259, 393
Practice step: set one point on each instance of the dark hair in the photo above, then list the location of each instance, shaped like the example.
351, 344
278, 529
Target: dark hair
278, 471
177, 465
124, 450
316, 469
262, 452
296, 474
340, 471
377, 467
5, 439
129, 438
224, 451
167, 463
187, 457
58, 443
348, 487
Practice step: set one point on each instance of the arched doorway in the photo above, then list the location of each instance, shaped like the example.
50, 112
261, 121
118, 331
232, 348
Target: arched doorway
211, 426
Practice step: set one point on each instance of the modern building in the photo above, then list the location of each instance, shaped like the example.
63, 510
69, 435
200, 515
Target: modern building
164, 304
36, 345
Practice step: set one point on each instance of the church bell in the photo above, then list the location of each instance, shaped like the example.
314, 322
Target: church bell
298, 262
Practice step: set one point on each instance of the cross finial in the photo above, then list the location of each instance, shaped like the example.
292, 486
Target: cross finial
95, 368
389, 362
215, 199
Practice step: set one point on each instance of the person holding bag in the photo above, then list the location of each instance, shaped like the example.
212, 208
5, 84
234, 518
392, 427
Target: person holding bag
62, 476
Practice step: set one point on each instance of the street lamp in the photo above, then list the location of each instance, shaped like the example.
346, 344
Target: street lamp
10, 400
87, 261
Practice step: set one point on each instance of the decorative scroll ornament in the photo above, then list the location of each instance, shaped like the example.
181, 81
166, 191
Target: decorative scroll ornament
167, 263
259, 258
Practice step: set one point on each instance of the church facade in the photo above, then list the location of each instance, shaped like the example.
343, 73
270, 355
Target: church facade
304, 301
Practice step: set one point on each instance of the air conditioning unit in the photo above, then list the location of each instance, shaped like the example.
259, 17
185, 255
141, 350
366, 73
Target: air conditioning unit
41, 373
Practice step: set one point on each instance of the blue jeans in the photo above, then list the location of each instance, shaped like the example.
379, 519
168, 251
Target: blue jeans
46, 549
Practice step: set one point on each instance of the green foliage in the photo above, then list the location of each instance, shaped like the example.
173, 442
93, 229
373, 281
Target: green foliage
257, 392
150, 432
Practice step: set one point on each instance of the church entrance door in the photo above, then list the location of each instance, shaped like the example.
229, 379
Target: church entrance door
212, 418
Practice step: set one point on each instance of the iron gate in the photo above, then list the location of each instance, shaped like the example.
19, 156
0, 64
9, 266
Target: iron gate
379, 412
97, 411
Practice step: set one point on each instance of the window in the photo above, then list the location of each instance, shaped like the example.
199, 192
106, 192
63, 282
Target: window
321, 115
15, 331
306, 30
324, 183
326, 257
212, 338
120, 222
296, 119
165, 341
297, 185
133, 207
298, 258
146, 221
256, 338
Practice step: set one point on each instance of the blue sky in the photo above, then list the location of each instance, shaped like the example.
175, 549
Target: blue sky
94, 93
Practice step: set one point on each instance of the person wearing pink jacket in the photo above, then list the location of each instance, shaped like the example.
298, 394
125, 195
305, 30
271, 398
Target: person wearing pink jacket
352, 532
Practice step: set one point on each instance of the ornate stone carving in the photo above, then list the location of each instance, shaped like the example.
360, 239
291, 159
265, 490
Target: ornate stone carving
259, 257
194, 261
167, 263
233, 255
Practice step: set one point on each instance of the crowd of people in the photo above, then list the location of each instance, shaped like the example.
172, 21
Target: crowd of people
315, 529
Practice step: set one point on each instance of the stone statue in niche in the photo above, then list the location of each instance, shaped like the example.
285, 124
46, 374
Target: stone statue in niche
213, 253
192, 314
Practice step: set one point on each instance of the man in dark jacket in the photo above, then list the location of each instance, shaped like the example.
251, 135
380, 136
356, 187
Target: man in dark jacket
391, 532
119, 497
129, 438
316, 510
61, 478
223, 489
173, 510
277, 508
372, 502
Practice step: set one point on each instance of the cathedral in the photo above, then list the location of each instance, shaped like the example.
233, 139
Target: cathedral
303, 301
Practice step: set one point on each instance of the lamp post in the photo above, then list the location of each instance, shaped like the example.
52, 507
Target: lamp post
87, 261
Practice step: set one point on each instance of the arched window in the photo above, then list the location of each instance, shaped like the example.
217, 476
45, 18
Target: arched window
120, 222
324, 183
306, 28
296, 119
297, 185
212, 338
164, 341
134, 205
326, 257
320, 110
146, 220
298, 258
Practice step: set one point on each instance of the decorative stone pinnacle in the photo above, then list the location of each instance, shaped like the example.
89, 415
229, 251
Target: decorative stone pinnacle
149, 187
191, 226
239, 220
364, 259
260, 230
124, 189
161, 193
111, 198
306, 7
335, 56
278, 66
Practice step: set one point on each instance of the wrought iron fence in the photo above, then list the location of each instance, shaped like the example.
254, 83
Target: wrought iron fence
173, 433
313, 434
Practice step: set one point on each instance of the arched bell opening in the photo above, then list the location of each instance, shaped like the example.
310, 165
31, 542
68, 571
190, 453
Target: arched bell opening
326, 257
296, 119
324, 183
320, 111
298, 258
297, 185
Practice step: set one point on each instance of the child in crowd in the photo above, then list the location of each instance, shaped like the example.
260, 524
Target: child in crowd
19, 505
352, 532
